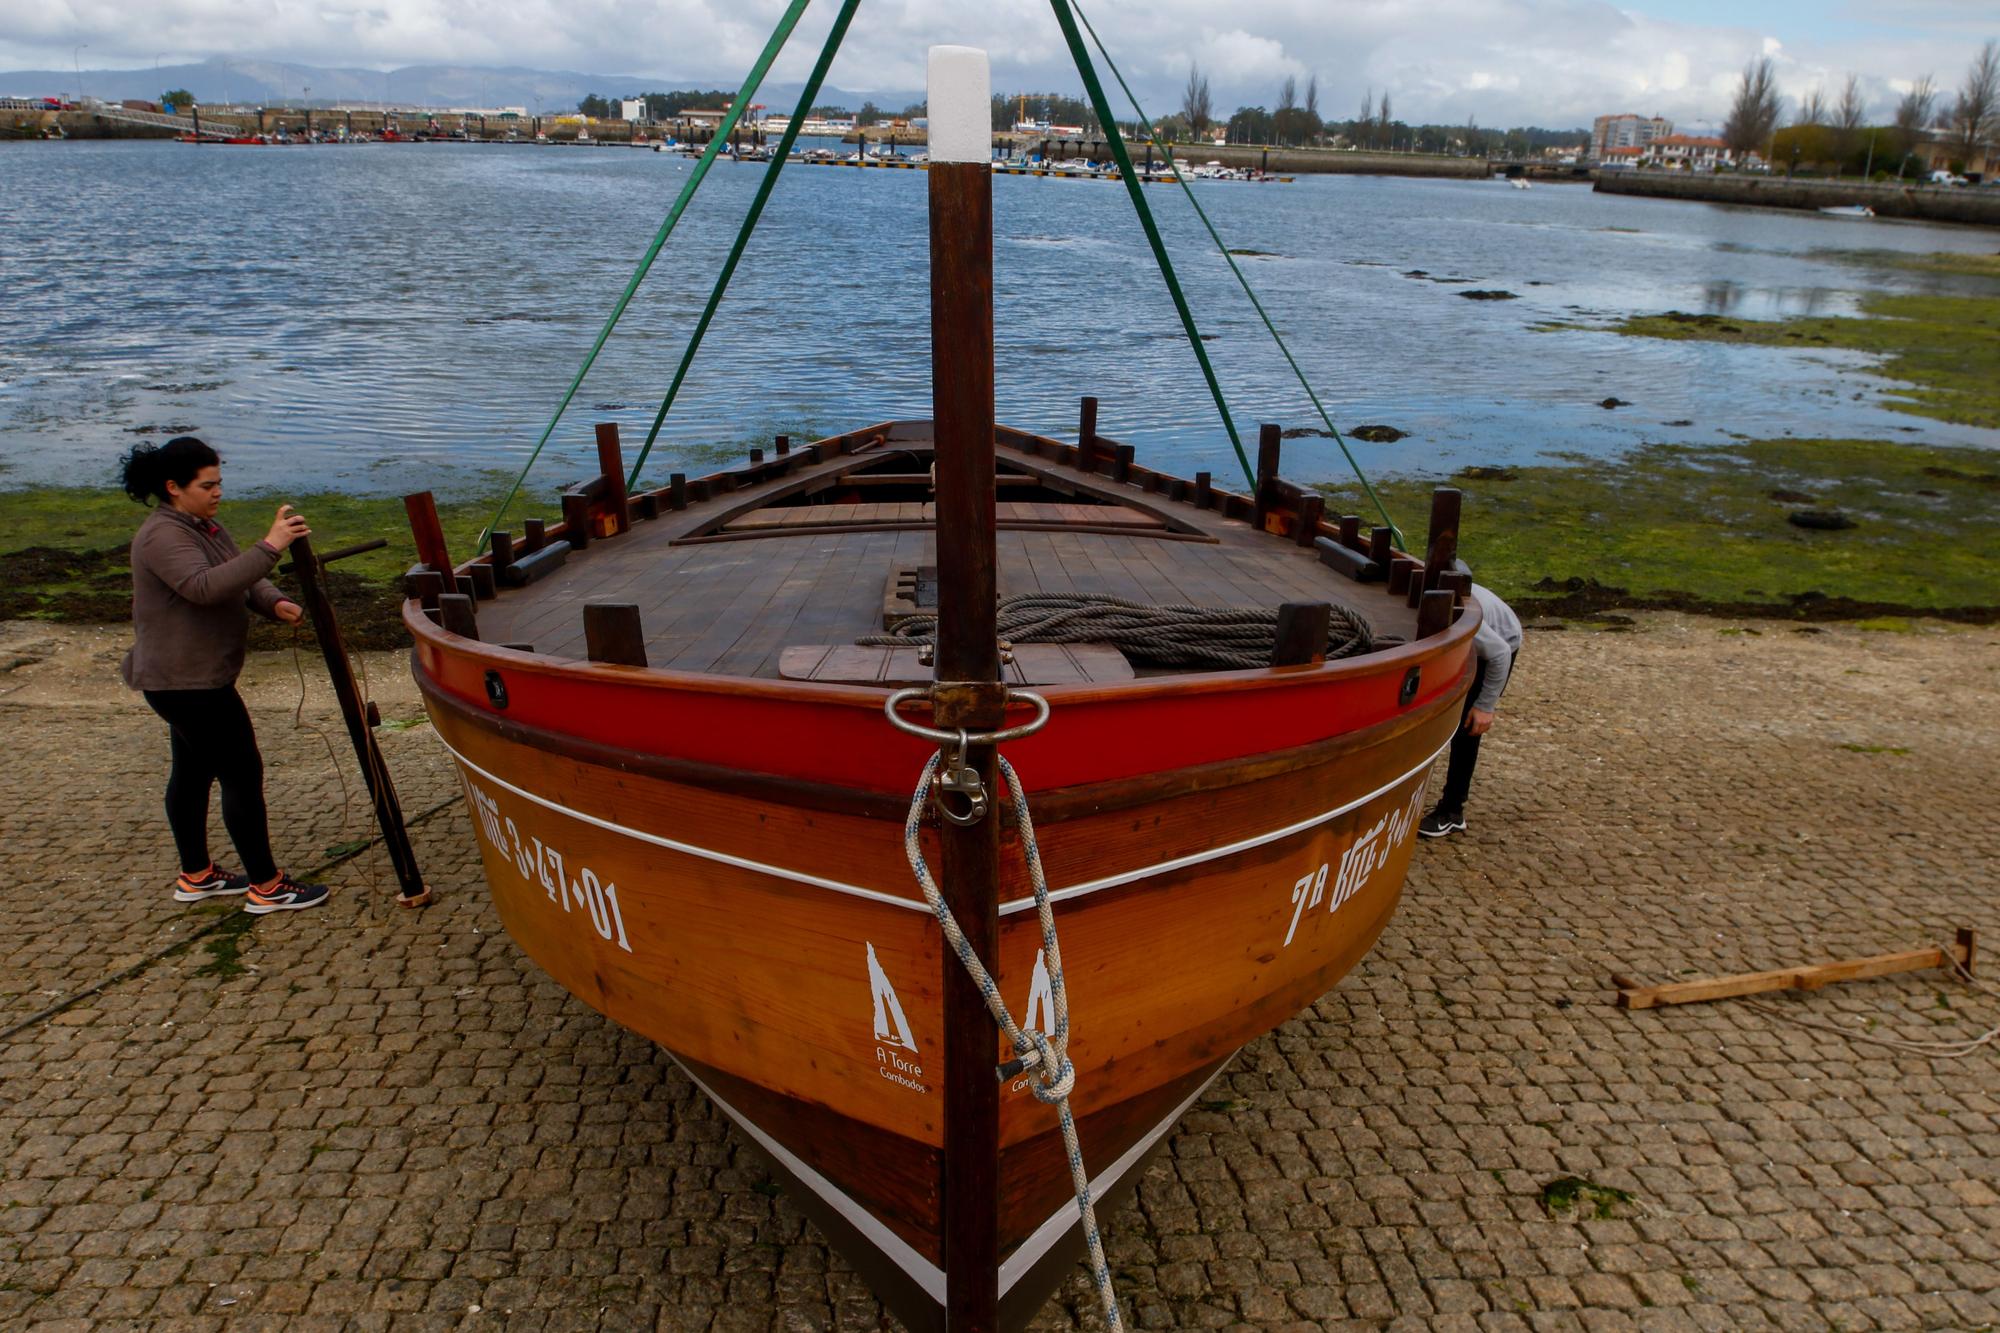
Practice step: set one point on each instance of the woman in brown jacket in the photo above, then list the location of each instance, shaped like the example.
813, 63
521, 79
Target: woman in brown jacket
192, 592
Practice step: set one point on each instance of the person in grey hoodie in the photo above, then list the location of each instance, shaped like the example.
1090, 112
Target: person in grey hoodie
1496, 645
192, 594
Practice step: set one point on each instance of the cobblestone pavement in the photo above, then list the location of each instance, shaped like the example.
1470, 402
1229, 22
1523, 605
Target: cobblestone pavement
391, 1120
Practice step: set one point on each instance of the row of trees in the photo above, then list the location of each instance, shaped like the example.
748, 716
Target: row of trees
1830, 131
1297, 121
659, 106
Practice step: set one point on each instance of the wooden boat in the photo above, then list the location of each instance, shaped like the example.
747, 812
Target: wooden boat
690, 798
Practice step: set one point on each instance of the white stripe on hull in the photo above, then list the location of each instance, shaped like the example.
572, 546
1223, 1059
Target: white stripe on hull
899, 1251
877, 896
893, 1247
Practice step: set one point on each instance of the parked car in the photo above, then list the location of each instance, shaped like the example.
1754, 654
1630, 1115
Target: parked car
1946, 178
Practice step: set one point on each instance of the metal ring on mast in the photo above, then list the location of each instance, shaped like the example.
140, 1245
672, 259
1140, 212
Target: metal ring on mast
957, 736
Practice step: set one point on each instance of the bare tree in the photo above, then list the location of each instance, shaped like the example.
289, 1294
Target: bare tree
1975, 113
1197, 107
1848, 114
1913, 114
1850, 111
1812, 109
1285, 121
1312, 97
1754, 113
1364, 128
1382, 119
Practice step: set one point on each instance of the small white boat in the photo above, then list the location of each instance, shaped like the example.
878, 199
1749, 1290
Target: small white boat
1849, 211
1519, 182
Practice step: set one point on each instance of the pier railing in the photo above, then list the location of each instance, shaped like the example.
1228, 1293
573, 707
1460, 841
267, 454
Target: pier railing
206, 128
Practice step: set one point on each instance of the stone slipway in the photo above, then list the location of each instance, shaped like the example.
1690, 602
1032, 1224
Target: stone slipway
393, 1121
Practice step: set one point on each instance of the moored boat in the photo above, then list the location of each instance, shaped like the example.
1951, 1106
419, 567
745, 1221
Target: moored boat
691, 723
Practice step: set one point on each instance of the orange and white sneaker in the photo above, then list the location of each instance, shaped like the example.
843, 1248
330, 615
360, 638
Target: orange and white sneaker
284, 894
214, 882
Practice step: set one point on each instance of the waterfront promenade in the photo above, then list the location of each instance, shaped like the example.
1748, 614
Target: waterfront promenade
366, 1118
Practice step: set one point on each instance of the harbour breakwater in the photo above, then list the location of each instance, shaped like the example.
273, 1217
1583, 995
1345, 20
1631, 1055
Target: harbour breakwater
1978, 205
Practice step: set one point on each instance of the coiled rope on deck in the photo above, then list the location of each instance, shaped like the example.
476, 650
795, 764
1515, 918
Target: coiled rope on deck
1043, 1058
1223, 638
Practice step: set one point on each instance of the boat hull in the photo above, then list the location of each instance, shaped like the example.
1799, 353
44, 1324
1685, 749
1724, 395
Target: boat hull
759, 919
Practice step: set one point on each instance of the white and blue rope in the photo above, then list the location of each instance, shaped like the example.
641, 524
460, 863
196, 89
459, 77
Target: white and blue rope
1043, 1058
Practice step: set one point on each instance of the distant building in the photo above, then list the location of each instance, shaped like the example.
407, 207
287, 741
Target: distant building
1939, 151
1626, 131
1688, 152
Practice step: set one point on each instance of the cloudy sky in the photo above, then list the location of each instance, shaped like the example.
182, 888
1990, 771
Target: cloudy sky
1548, 62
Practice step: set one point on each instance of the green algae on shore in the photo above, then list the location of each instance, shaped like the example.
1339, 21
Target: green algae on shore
1945, 349
1704, 529
1699, 528
66, 553
1947, 261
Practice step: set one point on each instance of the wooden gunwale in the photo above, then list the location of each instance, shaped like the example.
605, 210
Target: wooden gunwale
1385, 661
1051, 805
835, 732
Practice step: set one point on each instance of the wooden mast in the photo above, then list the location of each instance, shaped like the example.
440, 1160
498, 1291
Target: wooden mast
967, 693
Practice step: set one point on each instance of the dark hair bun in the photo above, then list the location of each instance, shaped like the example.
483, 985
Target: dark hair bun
148, 468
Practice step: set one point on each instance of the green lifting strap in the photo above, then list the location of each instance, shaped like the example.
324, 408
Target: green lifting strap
770, 181
1135, 188
1244, 282
792, 14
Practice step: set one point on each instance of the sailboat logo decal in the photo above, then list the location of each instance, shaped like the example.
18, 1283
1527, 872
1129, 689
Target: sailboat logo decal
891, 1027
1041, 998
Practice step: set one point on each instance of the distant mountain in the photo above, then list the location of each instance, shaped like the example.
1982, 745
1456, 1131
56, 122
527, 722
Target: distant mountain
270, 83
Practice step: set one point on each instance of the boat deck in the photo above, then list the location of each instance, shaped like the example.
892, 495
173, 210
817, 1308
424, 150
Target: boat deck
802, 556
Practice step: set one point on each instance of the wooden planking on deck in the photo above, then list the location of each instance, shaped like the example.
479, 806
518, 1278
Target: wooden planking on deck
733, 607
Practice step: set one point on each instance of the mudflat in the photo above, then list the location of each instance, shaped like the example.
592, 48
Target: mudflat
364, 1116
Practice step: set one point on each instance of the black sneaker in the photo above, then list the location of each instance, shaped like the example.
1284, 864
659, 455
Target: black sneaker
287, 895
214, 882
1438, 824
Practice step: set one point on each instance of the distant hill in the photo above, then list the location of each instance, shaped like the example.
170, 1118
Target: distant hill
271, 83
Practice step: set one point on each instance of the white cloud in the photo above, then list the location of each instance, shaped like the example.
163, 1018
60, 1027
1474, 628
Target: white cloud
1551, 62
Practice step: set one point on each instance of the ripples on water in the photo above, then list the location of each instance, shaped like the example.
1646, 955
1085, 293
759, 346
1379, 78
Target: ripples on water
393, 316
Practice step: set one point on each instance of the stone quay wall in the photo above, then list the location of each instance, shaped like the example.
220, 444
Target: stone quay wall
1978, 205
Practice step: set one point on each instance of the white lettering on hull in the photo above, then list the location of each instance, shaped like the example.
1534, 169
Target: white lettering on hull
542, 864
1364, 856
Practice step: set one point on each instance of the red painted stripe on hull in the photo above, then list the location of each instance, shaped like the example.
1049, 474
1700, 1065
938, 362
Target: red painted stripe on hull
837, 734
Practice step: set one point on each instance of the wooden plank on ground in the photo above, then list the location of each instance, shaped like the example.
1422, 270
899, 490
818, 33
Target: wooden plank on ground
1632, 995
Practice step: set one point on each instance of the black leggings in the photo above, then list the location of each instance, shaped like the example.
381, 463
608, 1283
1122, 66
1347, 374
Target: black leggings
213, 740
1465, 748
